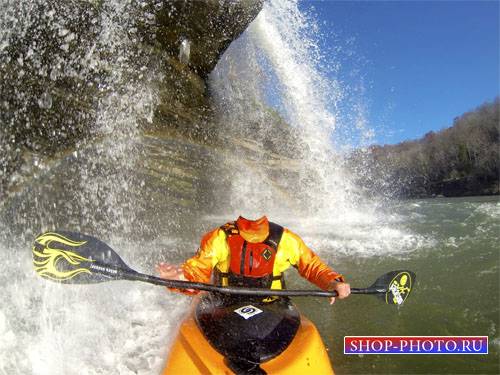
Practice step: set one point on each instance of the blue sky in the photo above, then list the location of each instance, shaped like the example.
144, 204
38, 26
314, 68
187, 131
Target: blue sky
421, 63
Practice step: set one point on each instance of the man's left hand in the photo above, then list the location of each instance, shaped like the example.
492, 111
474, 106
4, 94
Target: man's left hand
343, 290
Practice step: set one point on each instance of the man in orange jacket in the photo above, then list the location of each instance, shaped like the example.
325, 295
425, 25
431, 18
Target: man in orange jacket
254, 253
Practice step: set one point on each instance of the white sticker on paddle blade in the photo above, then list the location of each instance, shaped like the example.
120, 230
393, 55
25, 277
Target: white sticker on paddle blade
247, 311
395, 292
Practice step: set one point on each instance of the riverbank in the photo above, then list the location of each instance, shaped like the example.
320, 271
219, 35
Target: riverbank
462, 160
455, 188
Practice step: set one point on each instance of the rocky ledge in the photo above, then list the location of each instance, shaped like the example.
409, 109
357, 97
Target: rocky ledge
61, 62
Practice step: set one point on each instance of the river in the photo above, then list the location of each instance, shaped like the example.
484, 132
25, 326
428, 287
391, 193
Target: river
124, 327
456, 293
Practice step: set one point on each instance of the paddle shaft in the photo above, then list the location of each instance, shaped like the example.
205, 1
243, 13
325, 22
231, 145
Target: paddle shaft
178, 284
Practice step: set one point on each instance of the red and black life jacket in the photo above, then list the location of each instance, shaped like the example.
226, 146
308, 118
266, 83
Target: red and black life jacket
251, 264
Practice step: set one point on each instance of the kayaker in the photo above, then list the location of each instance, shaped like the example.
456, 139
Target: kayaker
254, 253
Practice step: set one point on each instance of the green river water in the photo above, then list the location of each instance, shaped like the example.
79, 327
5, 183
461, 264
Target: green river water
457, 291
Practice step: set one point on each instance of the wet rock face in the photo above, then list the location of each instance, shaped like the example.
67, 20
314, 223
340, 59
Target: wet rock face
47, 85
61, 61
156, 186
207, 27
46, 70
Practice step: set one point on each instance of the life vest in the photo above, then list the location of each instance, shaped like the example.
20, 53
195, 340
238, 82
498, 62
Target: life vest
251, 263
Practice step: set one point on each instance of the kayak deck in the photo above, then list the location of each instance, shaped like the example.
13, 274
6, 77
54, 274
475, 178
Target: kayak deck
192, 354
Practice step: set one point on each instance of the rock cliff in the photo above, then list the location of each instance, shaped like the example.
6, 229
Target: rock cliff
62, 62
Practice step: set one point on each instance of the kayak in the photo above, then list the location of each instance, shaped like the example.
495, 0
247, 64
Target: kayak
242, 335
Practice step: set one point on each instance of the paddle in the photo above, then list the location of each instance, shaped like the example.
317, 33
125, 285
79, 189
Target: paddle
76, 258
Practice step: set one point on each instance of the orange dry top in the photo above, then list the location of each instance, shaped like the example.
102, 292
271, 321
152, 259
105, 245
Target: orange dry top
214, 252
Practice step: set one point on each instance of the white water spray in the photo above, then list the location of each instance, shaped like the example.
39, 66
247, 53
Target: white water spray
102, 329
278, 48
277, 63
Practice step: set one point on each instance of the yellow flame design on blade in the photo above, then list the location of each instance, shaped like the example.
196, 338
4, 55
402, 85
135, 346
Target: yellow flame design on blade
46, 261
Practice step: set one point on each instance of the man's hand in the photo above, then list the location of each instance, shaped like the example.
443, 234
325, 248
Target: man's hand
172, 272
343, 290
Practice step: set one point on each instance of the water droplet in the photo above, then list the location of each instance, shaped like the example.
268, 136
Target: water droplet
184, 51
63, 32
54, 74
45, 101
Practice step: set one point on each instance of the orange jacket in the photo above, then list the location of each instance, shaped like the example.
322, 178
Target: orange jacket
214, 252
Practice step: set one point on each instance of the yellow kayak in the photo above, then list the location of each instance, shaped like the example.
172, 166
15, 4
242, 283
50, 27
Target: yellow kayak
228, 335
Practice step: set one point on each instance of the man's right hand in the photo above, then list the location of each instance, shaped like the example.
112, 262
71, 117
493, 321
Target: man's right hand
170, 271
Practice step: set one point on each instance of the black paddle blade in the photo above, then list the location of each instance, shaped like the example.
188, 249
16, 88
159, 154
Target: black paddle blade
395, 286
75, 258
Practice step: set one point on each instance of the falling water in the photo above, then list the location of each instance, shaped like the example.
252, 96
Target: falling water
274, 71
48, 328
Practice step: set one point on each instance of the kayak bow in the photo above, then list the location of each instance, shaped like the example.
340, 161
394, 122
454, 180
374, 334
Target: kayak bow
246, 336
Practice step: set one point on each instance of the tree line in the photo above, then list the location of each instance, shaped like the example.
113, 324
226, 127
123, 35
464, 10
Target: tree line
457, 161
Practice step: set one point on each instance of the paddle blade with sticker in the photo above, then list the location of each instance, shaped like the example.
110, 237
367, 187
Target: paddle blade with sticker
395, 286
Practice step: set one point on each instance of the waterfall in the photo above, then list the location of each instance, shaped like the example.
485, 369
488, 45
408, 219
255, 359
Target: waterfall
276, 67
276, 71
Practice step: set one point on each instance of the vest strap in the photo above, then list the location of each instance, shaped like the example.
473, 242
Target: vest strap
275, 234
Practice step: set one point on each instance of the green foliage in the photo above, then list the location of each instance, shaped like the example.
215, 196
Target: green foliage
460, 160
